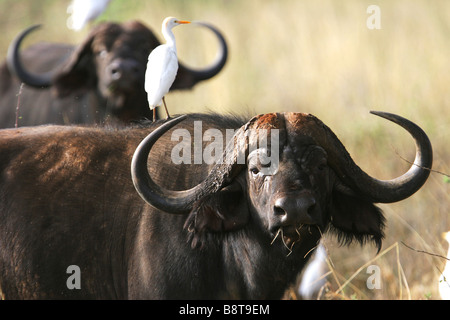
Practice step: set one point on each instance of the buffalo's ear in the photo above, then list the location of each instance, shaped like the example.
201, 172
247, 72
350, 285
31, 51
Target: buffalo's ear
354, 218
224, 211
78, 72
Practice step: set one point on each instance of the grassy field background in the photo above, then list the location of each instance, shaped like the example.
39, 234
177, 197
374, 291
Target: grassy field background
319, 57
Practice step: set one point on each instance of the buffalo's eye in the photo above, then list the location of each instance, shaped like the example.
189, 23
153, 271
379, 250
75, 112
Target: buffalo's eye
322, 165
254, 171
102, 53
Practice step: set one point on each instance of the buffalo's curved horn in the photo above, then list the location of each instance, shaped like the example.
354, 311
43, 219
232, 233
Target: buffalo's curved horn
178, 202
219, 62
15, 65
384, 191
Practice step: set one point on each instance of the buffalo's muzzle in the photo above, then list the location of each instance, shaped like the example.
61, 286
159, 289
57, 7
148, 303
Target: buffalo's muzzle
123, 72
295, 209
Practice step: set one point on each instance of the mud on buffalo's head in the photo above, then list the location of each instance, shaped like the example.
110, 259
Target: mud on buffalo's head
112, 60
313, 186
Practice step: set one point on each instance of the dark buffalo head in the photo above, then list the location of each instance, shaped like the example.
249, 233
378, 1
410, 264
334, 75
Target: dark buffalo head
309, 185
111, 60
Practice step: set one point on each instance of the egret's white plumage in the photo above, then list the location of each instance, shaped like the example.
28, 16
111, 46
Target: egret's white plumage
313, 278
83, 11
162, 66
444, 279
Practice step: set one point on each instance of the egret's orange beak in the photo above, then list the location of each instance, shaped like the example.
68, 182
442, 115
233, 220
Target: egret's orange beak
183, 21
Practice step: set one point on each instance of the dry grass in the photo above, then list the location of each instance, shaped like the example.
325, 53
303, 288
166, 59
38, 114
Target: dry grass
319, 57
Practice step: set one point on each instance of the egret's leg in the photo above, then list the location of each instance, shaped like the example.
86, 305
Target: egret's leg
154, 114
167, 112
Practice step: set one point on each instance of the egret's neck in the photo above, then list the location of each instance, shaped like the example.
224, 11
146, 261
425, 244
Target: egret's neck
170, 38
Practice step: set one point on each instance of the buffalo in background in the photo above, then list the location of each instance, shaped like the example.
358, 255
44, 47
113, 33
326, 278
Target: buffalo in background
100, 80
230, 229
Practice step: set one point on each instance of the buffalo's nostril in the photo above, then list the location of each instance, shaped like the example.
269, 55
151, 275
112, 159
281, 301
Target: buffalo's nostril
279, 208
312, 208
278, 211
135, 69
115, 70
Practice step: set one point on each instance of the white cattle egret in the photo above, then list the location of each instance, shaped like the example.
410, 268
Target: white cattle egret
444, 279
313, 278
162, 67
83, 11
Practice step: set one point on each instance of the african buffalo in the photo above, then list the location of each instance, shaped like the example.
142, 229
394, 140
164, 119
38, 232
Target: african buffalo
228, 229
100, 79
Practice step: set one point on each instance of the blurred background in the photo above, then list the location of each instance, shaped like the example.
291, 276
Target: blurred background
318, 57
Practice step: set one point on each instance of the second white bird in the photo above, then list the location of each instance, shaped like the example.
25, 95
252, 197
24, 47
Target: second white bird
84, 11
